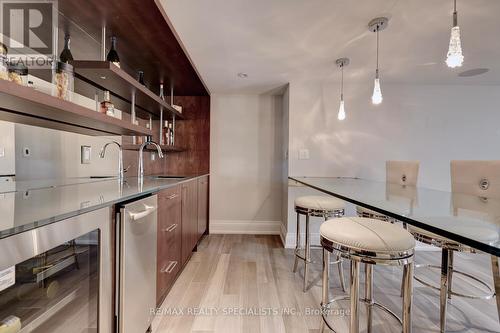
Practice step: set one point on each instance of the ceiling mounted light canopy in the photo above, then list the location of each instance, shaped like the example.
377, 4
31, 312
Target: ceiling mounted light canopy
455, 58
376, 25
342, 62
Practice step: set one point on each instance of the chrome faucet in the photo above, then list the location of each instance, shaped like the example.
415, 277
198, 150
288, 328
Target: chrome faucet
120, 157
140, 170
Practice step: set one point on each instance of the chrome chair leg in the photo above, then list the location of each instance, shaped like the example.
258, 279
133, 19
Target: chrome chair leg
307, 255
297, 245
326, 286
444, 288
407, 296
354, 327
369, 296
341, 272
496, 280
450, 272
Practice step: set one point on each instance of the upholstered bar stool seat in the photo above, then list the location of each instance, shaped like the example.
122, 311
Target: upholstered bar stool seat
485, 233
371, 242
367, 235
317, 206
368, 213
319, 203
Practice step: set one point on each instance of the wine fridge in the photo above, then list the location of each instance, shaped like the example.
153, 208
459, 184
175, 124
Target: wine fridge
58, 278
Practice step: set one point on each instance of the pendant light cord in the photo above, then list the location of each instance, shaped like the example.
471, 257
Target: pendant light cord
342, 83
377, 52
455, 13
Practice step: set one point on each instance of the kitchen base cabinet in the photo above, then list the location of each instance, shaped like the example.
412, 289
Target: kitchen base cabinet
202, 206
169, 239
189, 218
182, 221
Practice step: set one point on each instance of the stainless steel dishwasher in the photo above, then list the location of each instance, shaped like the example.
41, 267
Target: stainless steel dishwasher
136, 265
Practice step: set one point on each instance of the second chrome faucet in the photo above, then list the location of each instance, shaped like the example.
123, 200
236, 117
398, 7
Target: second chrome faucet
140, 170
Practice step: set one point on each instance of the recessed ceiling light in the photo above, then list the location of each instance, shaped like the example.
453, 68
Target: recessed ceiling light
103, 77
473, 72
243, 75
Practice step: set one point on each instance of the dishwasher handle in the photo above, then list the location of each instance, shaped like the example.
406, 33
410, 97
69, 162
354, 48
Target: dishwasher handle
140, 215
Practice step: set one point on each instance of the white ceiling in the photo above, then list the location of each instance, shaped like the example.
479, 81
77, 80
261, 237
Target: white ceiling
276, 41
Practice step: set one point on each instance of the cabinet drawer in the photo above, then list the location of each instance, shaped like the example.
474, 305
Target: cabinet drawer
169, 235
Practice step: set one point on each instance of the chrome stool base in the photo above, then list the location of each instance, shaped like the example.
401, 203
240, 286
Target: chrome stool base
370, 259
454, 293
325, 309
306, 258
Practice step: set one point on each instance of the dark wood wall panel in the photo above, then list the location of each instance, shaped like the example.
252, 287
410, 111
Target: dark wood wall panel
145, 41
192, 133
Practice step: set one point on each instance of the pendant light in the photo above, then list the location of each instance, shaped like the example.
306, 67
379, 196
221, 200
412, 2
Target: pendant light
342, 62
454, 57
376, 25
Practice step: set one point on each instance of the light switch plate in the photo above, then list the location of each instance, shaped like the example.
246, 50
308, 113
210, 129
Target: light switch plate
303, 154
26, 151
86, 153
2, 152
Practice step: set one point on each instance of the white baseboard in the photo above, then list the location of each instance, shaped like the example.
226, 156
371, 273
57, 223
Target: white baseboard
243, 227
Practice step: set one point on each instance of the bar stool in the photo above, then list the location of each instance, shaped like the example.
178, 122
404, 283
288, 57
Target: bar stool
371, 242
404, 173
316, 206
472, 184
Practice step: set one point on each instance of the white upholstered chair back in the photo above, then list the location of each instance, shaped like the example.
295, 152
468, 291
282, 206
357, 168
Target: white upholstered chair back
478, 178
475, 188
402, 172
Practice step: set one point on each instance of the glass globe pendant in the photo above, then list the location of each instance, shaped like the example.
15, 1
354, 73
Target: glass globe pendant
455, 57
342, 62
376, 25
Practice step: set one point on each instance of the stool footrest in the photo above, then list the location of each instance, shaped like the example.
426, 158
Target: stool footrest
303, 258
325, 307
490, 295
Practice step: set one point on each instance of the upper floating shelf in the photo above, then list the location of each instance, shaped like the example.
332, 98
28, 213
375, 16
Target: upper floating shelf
28, 106
108, 76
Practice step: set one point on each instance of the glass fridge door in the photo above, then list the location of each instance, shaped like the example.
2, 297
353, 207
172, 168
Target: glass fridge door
56, 291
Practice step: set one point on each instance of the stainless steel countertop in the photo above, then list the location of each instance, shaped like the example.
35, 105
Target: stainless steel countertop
30, 204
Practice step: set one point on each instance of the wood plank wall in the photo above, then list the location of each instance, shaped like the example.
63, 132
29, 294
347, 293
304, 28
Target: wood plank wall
192, 133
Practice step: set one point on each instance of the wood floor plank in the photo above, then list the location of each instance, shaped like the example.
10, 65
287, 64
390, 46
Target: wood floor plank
253, 273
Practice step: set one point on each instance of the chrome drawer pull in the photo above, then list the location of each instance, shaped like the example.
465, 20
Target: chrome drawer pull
170, 267
171, 228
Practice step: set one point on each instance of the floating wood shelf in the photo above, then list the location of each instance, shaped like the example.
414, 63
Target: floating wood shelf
25, 105
107, 76
165, 148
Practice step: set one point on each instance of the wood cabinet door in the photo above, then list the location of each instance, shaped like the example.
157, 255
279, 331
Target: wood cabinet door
202, 206
189, 218
169, 240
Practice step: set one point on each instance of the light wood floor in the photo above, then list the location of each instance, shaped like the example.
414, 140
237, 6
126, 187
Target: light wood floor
244, 283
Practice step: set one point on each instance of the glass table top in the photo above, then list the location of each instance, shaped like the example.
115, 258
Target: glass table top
467, 219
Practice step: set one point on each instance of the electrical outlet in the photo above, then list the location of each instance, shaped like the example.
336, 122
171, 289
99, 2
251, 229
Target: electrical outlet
26, 151
86, 154
303, 154
2, 152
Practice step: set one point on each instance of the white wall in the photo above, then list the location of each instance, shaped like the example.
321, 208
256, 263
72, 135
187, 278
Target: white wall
433, 124
246, 164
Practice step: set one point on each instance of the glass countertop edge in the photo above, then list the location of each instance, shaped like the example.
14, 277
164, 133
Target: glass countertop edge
490, 249
67, 215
